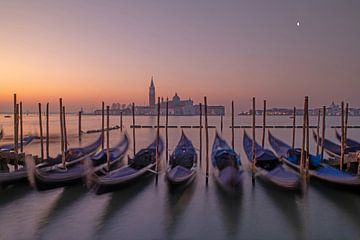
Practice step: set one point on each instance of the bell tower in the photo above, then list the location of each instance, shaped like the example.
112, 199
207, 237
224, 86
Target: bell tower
152, 93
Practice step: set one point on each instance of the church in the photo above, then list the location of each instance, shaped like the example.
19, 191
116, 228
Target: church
176, 106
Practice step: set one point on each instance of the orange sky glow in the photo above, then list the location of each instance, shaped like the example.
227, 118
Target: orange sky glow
92, 51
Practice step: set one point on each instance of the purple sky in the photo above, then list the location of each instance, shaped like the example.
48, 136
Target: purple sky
88, 51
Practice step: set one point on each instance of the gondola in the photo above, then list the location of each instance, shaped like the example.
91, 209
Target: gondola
72, 155
334, 151
352, 144
317, 169
182, 163
268, 166
227, 169
75, 155
13, 177
49, 177
142, 164
10, 147
116, 153
18, 175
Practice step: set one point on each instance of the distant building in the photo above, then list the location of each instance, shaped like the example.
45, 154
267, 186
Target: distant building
332, 110
176, 106
152, 93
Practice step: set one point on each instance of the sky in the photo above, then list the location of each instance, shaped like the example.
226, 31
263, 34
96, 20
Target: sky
92, 51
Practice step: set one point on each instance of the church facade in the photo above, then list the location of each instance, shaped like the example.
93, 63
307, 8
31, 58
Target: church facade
176, 106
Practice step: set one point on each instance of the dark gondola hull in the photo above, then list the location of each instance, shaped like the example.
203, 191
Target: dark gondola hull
100, 186
355, 145
183, 161
11, 178
291, 183
74, 155
184, 180
269, 167
43, 184
48, 177
10, 147
227, 169
323, 172
143, 164
47, 180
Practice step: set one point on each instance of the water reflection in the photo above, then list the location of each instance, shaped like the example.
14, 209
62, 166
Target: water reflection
286, 202
66, 199
231, 207
119, 199
146, 210
346, 200
13, 193
178, 200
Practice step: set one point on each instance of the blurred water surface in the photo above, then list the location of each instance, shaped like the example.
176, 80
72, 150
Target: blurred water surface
150, 211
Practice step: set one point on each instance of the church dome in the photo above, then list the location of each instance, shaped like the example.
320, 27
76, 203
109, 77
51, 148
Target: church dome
176, 98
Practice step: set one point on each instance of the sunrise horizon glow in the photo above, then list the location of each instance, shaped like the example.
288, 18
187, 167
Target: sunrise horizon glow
92, 51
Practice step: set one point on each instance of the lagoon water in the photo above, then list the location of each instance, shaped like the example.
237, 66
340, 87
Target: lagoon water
150, 211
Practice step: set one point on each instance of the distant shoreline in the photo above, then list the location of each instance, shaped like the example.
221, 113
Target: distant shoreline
10, 115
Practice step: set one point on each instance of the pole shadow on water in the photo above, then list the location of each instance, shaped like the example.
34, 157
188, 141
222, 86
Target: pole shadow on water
13, 193
230, 204
178, 200
346, 200
66, 199
285, 200
119, 199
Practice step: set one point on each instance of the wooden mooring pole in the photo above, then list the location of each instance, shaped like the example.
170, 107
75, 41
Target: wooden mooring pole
264, 125
108, 137
345, 132
307, 136
79, 126
41, 134
157, 140
206, 140
232, 126
200, 136
318, 134
323, 132
65, 132
47, 131
15, 125
133, 123
121, 121
221, 123
302, 159
293, 129
63, 157
166, 130
254, 140
342, 137
21, 128
102, 124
